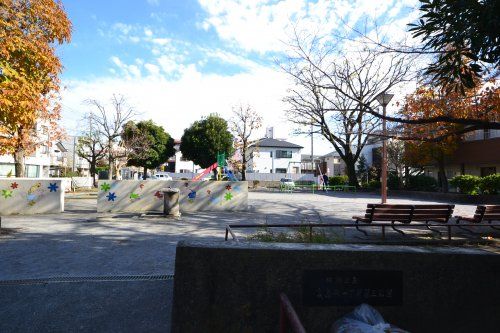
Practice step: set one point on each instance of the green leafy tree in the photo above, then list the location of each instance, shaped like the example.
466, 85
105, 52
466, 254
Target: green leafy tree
205, 138
148, 144
464, 36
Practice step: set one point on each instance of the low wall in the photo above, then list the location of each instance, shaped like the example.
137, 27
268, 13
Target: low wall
231, 287
144, 196
31, 196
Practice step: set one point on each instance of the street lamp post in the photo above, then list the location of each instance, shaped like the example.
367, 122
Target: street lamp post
384, 99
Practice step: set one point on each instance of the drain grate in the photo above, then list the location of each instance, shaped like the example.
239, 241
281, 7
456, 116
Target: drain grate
108, 278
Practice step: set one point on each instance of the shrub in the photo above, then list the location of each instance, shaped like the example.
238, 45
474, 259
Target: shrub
490, 184
422, 183
338, 180
466, 184
392, 181
373, 184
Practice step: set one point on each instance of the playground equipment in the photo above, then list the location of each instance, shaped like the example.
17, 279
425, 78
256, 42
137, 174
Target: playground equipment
222, 169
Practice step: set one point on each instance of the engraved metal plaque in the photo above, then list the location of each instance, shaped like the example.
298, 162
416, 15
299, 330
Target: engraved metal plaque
352, 287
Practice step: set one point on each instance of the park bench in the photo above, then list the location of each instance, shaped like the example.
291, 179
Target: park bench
484, 213
405, 214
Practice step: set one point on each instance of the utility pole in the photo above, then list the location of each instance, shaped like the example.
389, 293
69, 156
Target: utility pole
74, 153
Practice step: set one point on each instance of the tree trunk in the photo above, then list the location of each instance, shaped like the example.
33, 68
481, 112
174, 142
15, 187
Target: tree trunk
443, 181
145, 173
19, 162
244, 168
407, 176
93, 172
350, 166
110, 162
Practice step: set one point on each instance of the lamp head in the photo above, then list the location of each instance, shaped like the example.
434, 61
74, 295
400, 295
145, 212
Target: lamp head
384, 98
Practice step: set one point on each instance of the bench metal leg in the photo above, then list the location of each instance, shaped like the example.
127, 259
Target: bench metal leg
394, 228
427, 225
357, 228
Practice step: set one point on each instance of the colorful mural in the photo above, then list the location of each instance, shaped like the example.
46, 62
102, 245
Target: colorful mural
31, 196
140, 196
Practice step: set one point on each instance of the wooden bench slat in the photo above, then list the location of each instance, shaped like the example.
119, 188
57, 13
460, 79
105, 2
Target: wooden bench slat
431, 211
434, 206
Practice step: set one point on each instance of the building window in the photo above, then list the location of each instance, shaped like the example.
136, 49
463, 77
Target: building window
270, 154
280, 170
283, 154
32, 171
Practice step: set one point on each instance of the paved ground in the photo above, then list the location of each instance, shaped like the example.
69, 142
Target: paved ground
79, 243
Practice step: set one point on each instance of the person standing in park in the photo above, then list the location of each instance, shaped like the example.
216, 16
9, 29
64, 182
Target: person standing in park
325, 182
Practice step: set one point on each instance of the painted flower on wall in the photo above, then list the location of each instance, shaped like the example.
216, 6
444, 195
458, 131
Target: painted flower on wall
53, 187
111, 196
6, 193
105, 187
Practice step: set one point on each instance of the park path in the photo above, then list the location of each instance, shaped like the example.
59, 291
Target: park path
139, 253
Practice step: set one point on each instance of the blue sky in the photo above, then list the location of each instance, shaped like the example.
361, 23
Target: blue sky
176, 61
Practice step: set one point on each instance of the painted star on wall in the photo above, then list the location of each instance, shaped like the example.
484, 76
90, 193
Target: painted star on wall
105, 187
141, 186
228, 187
158, 195
228, 196
53, 187
6, 193
111, 196
14, 185
134, 196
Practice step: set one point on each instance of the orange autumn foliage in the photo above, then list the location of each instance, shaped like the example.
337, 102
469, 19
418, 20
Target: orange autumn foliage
29, 32
480, 103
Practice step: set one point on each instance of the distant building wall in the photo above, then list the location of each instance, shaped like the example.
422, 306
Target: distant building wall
266, 160
143, 196
31, 196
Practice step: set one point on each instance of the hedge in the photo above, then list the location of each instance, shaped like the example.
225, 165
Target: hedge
466, 184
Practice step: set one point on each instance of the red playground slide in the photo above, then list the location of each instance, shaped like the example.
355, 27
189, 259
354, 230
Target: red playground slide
205, 172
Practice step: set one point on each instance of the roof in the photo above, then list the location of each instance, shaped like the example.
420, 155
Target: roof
332, 154
268, 142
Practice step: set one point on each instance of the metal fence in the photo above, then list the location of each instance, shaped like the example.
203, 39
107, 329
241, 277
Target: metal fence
277, 176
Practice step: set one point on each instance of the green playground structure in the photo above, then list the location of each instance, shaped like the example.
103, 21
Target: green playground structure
222, 170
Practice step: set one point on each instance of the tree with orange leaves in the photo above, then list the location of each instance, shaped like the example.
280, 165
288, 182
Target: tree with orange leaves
29, 79
433, 142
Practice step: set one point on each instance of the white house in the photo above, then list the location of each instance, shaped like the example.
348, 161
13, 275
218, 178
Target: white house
179, 164
269, 155
333, 164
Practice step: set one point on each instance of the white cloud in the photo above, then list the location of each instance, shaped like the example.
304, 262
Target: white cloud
175, 104
154, 2
262, 25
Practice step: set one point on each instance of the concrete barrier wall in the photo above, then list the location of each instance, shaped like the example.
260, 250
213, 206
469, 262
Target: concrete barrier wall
31, 196
230, 287
143, 196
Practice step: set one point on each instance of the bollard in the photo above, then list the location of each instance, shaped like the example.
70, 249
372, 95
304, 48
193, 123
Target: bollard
171, 202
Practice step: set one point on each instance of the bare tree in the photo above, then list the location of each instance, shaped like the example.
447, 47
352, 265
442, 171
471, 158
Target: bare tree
334, 89
90, 147
396, 158
245, 120
110, 126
